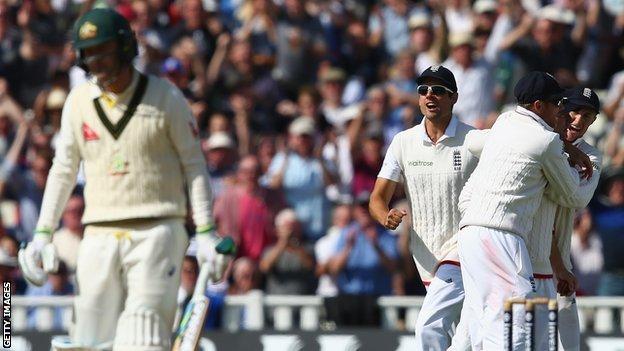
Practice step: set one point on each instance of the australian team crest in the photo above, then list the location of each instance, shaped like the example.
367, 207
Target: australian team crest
87, 31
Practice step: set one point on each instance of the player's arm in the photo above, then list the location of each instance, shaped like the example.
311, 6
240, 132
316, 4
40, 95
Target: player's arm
379, 201
566, 281
562, 178
182, 129
62, 176
584, 193
61, 181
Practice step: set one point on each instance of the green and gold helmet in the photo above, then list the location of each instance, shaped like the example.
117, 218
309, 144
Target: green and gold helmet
100, 25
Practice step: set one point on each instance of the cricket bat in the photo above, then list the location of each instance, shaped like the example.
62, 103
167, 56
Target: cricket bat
192, 321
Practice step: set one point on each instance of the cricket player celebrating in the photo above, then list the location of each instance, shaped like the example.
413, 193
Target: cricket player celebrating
138, 141
433, 164
580, 108
521, 156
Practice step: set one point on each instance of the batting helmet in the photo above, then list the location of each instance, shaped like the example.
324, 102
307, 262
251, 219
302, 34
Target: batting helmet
99, 26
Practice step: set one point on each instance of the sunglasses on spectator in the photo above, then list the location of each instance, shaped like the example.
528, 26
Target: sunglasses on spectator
437, 90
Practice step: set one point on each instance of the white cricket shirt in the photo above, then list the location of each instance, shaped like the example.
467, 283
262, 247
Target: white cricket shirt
433, 176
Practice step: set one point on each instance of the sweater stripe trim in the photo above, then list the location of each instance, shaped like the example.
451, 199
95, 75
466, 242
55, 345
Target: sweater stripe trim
117, 129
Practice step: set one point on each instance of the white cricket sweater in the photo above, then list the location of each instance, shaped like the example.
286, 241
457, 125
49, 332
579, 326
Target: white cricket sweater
520, 157
544, 225
564, 219
142, 173
433, 176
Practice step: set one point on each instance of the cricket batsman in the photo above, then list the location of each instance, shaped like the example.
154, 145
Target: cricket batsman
139, 144
433, 164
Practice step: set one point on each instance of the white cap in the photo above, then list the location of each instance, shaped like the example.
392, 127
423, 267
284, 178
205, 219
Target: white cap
460, 38
557, 14
302, 126
219, 140
56, 99
481, 6
418, 20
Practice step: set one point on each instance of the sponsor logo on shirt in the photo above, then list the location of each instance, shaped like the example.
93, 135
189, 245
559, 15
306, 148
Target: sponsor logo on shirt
419, 163
457, 162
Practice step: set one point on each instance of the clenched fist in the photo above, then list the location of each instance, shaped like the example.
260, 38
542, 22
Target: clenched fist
394, 218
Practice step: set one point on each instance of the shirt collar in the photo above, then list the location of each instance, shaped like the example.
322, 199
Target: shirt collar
577, 142
528, 113
449, 132
96, 91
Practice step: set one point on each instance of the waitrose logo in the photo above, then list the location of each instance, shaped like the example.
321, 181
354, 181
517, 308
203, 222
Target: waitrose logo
420, 163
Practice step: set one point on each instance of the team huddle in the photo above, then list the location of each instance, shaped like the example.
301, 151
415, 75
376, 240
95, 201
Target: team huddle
492, 210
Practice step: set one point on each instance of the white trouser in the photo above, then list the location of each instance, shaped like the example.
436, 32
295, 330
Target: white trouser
128, 278
441, 309
569, 328
545, 287
495, 266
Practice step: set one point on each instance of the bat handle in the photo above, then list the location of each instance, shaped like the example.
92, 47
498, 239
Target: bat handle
202, 280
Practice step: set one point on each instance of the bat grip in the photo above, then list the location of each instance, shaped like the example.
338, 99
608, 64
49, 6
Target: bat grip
202, 280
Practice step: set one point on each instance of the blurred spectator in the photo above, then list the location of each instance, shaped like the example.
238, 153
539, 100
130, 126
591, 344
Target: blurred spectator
586, 254
188, 278
324, 250
57, 285
474, 78
9, 272
367, 161
244, 276
388, 26
67, 239
299, 44
246, 210
332, 82
365, 259
220, 153
194, 24
288, 265
303, 176
428, 45
552, 47
27, 188
608, 214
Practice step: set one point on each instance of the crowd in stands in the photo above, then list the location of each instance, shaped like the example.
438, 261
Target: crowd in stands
297, 101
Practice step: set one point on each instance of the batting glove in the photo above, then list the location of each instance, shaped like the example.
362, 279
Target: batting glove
214, 250
38, 259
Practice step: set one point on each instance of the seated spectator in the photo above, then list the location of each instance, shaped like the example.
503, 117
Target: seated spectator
586, 254
67, 239
365, 259
288, 265
246, 210
244, 276
57, 285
